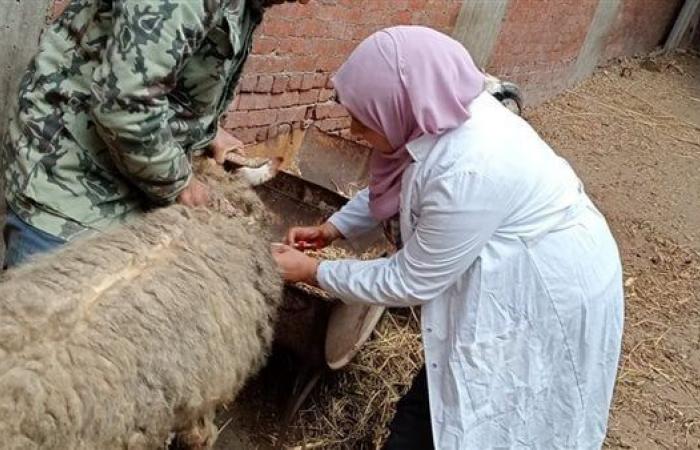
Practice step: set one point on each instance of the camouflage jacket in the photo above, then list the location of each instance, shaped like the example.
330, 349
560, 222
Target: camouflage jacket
119, 95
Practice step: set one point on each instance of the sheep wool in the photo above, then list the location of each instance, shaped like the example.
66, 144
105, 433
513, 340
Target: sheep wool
120, 340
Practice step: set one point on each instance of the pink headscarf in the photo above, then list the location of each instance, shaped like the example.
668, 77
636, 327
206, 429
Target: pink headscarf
404, 82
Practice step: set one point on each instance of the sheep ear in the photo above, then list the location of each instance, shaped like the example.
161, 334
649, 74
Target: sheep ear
255, 176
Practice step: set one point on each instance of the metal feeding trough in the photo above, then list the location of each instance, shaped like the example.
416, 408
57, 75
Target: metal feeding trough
321, 333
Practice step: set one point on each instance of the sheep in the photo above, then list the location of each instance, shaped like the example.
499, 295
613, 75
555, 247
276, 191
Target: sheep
122, 340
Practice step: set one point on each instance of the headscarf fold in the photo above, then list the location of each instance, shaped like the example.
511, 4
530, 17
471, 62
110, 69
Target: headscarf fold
405, 82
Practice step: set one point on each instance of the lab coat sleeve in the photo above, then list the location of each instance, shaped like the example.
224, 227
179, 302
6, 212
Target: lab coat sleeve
355, 219
458, 214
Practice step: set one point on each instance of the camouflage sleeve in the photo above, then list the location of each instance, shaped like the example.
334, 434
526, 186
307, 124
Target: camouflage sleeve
151, 42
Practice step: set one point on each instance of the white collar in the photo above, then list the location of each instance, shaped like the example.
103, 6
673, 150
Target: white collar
419, 147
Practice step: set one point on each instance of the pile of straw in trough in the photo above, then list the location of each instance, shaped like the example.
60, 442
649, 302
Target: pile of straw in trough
353, 407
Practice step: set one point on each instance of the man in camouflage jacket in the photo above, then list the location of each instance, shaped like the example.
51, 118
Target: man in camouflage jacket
111, 108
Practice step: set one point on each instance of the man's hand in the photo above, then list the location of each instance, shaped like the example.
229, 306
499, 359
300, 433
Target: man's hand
294, 265
195, 194
223, 144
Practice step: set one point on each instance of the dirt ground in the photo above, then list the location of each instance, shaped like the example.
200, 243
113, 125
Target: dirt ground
632, 132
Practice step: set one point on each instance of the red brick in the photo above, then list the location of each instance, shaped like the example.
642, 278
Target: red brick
234, 119
333, 124
266, 63
293, 45
235, 103
261, 117
247, 101
307, 82
289, 115
309, 97
302, 63
254, 101
280, 84
248, 83
278, 26
330, 110
284, 100
247, 119
265, 44
295, 81
248, 135
326, 95
331, 64
320, 80
265, 83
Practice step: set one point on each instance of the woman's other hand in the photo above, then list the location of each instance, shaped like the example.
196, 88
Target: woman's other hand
312, 238
294, 265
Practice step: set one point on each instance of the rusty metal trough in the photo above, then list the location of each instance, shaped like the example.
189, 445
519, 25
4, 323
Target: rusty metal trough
303, 328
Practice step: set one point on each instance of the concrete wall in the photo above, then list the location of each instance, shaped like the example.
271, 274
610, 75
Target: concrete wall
478, 27
21, 22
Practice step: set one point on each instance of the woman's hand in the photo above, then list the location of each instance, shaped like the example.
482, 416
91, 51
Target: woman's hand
195, 194
312, 238
294, 265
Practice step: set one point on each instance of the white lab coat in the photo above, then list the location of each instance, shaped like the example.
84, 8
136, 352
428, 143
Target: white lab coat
519, 282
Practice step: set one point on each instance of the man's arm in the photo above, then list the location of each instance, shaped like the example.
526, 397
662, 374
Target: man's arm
151, 42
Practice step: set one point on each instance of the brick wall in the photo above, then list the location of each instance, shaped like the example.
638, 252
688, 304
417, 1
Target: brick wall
286, 83
539, 43
641, 25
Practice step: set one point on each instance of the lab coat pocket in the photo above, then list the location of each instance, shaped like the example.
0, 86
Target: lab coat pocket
501, 371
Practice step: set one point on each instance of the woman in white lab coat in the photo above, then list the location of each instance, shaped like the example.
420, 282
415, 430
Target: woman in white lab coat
516, 272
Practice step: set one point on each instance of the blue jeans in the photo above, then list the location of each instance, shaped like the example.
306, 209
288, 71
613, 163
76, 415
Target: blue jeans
23, 241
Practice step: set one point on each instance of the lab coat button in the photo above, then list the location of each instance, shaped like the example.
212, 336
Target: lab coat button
434, 365
428, 330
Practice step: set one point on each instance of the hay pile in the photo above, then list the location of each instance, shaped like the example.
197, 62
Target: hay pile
353, 407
